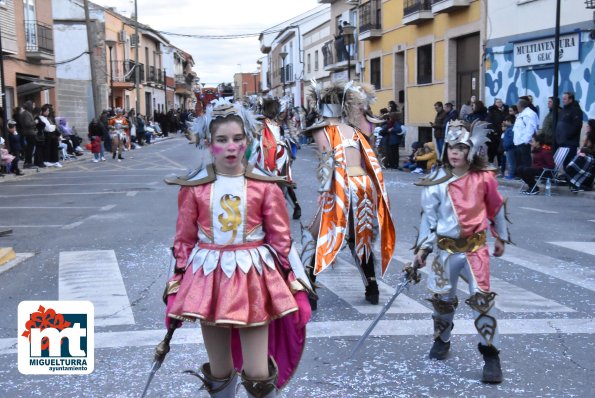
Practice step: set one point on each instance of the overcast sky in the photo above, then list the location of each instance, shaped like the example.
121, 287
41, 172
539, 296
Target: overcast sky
216, 60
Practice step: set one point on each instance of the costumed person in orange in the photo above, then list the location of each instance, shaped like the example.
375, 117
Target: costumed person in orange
233, 272
271, 153
460, 202
353, 203
119, 130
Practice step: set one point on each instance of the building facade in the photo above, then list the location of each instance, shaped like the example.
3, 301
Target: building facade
27, 53
418, 52
519, 56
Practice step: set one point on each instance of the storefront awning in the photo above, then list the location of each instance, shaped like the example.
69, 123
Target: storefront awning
34, 85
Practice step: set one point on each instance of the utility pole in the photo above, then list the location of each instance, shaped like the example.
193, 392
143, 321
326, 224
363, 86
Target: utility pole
92, 61
3, 133
165, 87
556, 65
136, 65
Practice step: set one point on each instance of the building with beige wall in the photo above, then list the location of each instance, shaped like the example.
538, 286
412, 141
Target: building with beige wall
28, 52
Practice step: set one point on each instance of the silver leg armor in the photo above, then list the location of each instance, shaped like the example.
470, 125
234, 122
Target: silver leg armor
262, 388
485, 321
217, 388
444, 313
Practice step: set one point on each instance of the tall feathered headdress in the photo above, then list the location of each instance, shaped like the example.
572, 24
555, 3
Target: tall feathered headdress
221, 108
345, 100
475, 136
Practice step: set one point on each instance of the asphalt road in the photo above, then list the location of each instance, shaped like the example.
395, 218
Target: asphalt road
116, 221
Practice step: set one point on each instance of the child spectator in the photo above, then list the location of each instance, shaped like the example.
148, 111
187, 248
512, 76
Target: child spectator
427, 159
581, 169
6, 158
15, 146
96, 148
410, 162
508, 146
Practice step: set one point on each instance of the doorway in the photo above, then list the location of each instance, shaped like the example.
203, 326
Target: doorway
467, 68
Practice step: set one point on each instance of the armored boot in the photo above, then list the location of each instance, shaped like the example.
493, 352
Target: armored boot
308, 258
492, 372
372, 292
444, 312
217, 388
262, 388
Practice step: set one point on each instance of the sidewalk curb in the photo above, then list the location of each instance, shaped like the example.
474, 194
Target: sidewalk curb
6, 254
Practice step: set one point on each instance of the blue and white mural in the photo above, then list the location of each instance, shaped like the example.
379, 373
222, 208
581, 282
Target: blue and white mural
504, 80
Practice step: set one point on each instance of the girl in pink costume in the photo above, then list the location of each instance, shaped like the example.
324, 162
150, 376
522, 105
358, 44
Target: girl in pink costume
232, 270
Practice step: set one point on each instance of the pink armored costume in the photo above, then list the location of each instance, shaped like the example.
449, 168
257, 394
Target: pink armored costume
234, 242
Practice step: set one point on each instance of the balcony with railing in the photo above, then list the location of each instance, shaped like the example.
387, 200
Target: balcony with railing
39, 40
417, 11
286, 74
370, 20
439, 6
336, 56
130, 73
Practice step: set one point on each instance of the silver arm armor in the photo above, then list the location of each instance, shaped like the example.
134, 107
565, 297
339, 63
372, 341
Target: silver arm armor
501, 224
429, 218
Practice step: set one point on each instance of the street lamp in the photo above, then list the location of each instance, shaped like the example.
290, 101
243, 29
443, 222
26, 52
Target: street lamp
283, 55
111, 44
348, 37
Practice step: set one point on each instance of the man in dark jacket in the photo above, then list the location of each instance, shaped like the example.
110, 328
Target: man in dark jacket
568, 129
496, 115
29, 130
438, 125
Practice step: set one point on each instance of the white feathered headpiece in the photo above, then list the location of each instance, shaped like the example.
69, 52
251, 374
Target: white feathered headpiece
474, 136
221, 108
341, 99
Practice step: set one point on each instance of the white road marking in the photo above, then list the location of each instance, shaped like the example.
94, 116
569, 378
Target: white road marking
345, 329
104, 208
591, 220
73, 225
31, 226
95, 276
511, 298
28, 195
345, 281
131, 193
539, 210
563, 270
15, 261
583, 247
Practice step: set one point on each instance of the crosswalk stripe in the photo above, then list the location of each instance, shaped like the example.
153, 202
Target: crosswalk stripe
348, 329
95, 276
583, 277
345, 281
584, 247
539, 210
511, 298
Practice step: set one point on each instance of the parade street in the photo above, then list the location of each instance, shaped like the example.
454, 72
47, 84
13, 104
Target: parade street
102, 231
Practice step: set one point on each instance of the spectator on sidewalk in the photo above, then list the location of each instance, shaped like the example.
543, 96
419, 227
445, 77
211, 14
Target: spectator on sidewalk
467, 108
29, 131
14, 141
568, 129
543, 158
52, 140
508, 146
496, 115
581, 169
438, 125
427, 159
547, 127
524, 127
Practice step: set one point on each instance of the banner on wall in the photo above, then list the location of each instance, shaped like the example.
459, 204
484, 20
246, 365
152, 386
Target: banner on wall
541, 51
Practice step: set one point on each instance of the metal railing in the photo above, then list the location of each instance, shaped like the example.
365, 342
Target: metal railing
411, 6
336, 51
370, 16
38, 37
286, 73
130, 74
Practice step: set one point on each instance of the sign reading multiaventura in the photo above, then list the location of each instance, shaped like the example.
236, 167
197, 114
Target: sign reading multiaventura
56, 337
541, 51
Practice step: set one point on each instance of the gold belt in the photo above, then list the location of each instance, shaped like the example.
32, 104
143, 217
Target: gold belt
469, 244
355, 171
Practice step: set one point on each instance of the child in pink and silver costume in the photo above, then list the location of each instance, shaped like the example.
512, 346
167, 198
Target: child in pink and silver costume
460, 202
233, 272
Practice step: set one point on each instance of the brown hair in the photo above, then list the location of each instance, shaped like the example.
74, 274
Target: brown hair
215, 123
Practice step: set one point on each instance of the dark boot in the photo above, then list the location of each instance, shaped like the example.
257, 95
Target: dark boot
439, 349
217, 388
372, 293
262, 388
120, 157
313, 300
492, 372
297, 212
114, 155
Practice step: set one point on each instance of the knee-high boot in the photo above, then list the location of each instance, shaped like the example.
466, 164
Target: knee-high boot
262, 388
372, 292
217, 388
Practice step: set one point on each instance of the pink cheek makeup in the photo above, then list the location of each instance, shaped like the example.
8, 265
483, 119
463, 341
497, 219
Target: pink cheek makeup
216, 150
